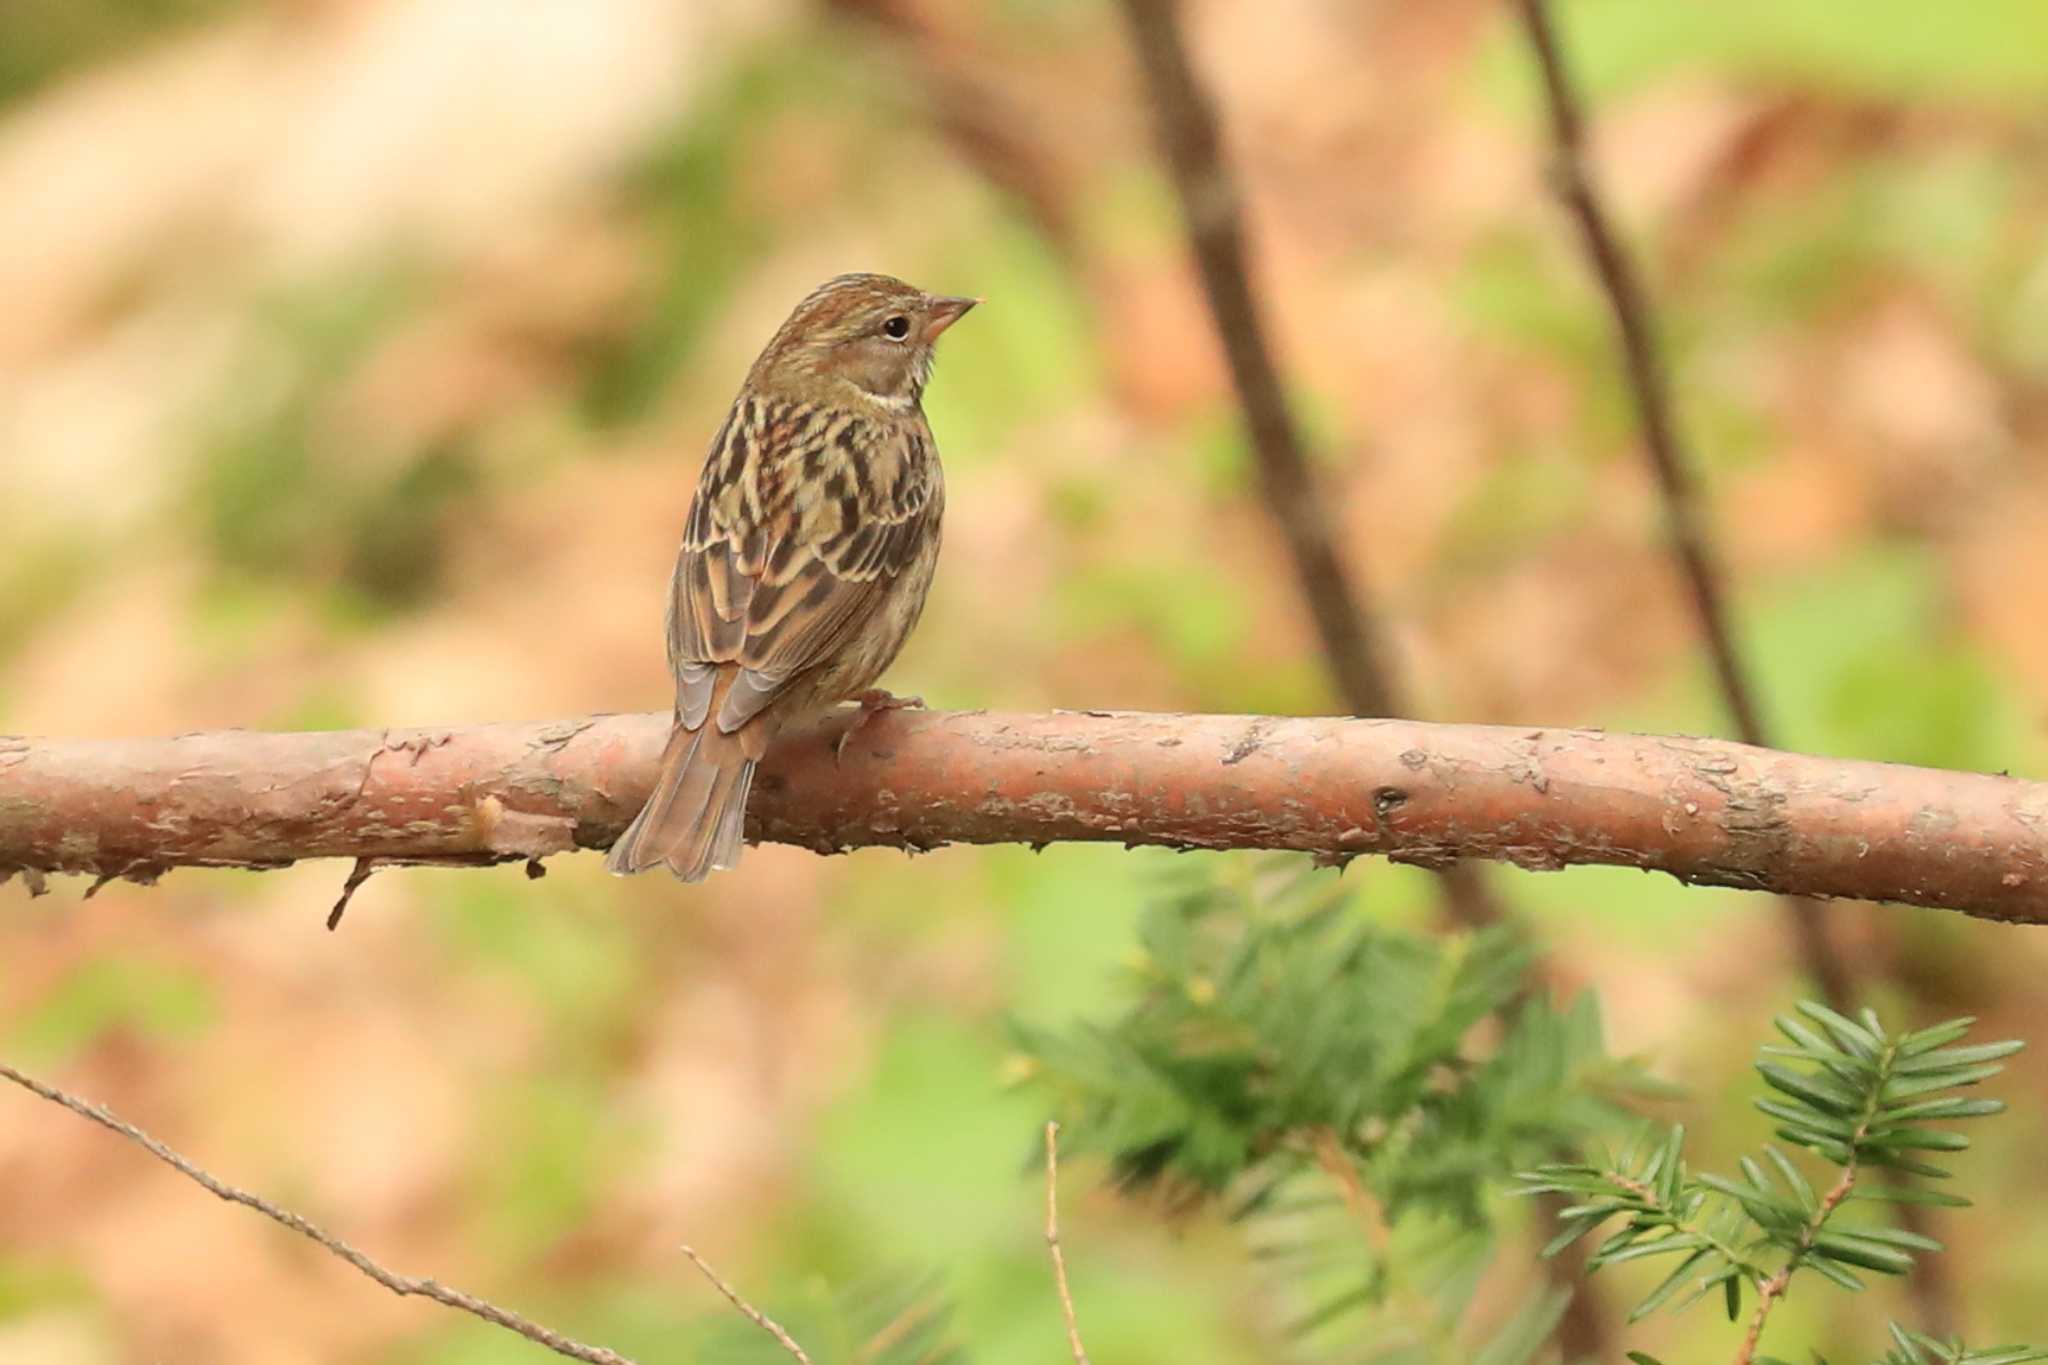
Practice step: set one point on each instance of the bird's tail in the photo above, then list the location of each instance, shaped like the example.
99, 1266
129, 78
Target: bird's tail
696, 819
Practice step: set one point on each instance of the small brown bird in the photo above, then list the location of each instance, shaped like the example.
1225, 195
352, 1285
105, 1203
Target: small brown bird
806, 559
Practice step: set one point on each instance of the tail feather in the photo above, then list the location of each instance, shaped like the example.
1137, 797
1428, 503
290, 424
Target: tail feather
696, 819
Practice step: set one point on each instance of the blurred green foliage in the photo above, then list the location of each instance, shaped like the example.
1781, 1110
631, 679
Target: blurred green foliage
36, 582
1522, 501
544, 1147
1188, 609
1887, 48
1528, 290
285, 501
116, 992
1327, 1075
1029, 351
1865, 659
41, 40
688, 189
1941, 218
578, 963
928, 1068
32, 1284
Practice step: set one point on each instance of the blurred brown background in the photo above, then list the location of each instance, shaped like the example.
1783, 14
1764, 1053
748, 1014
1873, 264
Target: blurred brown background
356, 360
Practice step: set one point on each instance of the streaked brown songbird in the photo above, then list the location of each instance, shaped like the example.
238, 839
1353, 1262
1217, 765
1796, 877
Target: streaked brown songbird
806, 558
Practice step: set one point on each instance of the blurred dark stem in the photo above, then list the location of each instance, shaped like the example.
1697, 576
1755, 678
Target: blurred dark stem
1344, 619
1210, 205
986, 125
1647, 382
1352, 640
1649, 386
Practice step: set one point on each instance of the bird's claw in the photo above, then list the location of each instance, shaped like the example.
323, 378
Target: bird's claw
880, 699
872, 702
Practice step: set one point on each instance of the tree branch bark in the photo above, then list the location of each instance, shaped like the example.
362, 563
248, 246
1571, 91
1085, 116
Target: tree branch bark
1707, 812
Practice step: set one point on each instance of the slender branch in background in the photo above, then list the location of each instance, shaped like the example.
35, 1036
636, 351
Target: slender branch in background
1650, 388
1709, 812
1052, 1240
398, 1284
984, 121
755, 1315
1211, 207
1647, 381
1649, 384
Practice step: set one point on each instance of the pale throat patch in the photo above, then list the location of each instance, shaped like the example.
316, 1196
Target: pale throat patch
890, 402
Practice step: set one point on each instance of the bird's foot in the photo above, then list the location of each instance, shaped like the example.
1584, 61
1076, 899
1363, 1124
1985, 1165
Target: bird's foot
873, 702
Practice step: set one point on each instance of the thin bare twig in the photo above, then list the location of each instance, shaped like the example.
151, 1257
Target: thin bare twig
396, 1283
1629, 303
759, 1319
1052, 1239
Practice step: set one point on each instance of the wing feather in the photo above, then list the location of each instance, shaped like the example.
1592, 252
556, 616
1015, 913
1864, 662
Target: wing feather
798, 530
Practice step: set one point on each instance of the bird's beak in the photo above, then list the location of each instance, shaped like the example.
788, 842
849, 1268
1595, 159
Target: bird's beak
943, 312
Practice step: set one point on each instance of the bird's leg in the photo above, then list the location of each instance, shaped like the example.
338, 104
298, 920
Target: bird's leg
872, 702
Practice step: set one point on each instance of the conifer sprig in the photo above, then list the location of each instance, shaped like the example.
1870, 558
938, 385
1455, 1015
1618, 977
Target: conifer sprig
1842, 1088
1355, 1095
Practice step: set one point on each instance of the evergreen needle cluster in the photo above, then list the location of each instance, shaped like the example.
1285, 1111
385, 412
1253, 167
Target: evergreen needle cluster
1359, 1098
1844, 1089
1356, 1094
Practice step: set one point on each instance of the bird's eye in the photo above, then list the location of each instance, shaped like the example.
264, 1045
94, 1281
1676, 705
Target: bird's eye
896, 328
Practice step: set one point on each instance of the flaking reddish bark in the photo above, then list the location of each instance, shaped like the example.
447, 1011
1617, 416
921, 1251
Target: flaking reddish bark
1705, 811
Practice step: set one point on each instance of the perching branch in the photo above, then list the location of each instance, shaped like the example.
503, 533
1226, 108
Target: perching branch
1708, 812
401, 1285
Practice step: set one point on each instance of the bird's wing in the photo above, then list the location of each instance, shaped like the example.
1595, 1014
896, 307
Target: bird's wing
802, 520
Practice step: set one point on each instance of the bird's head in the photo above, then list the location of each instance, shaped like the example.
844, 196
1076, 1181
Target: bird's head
861, 337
